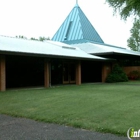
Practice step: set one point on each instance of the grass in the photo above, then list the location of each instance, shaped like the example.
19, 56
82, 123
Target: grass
112, 108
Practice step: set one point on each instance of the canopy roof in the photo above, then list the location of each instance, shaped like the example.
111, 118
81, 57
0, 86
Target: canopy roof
105, 49
43, 49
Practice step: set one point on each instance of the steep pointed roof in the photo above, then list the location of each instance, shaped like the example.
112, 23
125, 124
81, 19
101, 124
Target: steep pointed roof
77, 27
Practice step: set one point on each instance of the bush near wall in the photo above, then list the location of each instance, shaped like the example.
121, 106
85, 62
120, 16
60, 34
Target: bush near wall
134, 75
117, 75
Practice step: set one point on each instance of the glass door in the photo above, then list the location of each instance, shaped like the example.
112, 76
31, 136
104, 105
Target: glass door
65, 73
69, 71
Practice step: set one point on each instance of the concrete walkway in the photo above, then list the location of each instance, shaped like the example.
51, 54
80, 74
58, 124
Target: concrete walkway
25, 129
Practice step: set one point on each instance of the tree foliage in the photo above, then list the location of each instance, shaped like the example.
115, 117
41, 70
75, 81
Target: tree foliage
134, 40
125, 7
21, 36
43, 38
32, 38
117, 75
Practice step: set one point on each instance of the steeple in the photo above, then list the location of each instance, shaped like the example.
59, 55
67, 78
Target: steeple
76, 2
77, 27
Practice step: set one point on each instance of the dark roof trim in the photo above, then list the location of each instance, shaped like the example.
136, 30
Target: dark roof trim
49, 56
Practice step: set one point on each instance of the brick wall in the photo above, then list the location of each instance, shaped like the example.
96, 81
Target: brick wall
106, 69
127, 70
2, 73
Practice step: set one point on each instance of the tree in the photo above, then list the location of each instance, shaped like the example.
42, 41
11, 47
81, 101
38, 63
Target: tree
43, 38
21, 36
117, 75
32, 38
134, 40
125, 7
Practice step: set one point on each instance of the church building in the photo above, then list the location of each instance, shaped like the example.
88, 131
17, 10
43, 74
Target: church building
76, 54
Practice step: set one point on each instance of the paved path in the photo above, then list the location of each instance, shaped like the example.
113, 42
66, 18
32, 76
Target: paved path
25, 129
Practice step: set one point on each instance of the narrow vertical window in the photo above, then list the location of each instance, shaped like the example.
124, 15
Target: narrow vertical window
68, 30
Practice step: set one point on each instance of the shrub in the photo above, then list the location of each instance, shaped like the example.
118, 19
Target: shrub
134, 75
117, 75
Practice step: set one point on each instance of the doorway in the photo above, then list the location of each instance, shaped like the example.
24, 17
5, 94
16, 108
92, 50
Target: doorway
69, 73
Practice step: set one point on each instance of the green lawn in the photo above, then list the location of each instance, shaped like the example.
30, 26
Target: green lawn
112, 108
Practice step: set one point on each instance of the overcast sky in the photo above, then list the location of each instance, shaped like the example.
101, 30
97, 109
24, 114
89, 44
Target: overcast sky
34, 18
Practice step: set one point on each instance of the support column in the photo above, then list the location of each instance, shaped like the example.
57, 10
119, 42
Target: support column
106, 69
78, 73
46, 74
2, 73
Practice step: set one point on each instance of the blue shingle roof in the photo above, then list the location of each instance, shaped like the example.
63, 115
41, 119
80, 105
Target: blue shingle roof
77, 27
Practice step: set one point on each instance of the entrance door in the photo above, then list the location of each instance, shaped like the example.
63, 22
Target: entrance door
69, 73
